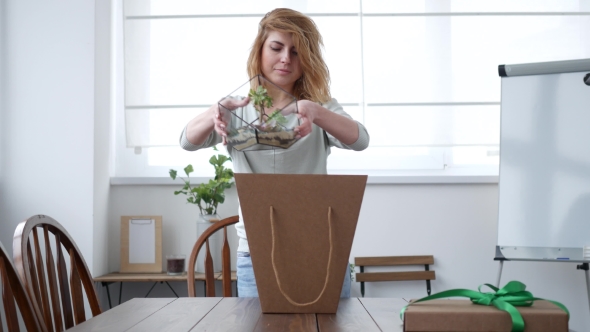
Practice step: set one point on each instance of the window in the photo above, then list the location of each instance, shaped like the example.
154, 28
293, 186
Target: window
421, 76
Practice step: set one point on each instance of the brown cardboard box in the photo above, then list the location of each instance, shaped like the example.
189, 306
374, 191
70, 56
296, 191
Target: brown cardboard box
462, 315
303, 270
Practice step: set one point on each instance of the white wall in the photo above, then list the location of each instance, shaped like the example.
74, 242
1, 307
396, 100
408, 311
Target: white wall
3, 27
53, 161
48, 118
103, 98
457, 223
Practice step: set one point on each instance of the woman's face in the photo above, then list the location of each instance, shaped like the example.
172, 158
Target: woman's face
280, 62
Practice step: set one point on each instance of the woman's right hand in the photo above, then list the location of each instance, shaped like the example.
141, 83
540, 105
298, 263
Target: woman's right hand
221, 115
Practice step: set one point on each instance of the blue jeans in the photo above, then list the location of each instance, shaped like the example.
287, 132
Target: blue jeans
247, 283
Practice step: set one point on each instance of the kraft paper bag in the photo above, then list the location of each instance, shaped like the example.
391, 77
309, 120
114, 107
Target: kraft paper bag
300, 230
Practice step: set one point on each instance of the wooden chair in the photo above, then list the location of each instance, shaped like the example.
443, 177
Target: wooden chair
14, 291
363, 276
225, 260
61, 301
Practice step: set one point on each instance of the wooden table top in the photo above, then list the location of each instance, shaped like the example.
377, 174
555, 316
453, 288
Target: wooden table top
153, 277
243, 314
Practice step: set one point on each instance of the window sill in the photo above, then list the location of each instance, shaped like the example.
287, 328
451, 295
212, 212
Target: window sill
373, 179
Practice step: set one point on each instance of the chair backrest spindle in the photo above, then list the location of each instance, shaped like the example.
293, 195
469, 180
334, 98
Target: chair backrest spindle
77, 296
36, 294
226, 264
62, 275
8, 300
52, 279
209, 276
43, 302
14, 295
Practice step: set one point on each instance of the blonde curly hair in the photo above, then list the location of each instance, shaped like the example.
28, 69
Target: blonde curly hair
314, 83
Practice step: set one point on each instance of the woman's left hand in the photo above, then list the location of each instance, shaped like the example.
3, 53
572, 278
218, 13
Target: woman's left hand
307, 112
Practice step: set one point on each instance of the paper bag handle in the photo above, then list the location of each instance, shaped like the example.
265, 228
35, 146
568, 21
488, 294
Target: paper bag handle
275, 268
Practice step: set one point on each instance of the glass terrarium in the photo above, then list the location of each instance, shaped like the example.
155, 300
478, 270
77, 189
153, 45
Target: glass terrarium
267, 121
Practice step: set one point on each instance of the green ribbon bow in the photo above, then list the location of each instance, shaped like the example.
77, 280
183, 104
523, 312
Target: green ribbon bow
513, 294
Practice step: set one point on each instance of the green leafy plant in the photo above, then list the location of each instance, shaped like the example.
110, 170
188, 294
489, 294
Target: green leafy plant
261, 100
207, 196
277, 116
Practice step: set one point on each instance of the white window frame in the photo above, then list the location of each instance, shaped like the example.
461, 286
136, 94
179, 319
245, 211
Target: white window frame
448, 173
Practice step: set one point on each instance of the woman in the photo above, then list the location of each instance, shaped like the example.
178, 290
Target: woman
287, 52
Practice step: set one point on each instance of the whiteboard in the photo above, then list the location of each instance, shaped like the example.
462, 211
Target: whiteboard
544, 182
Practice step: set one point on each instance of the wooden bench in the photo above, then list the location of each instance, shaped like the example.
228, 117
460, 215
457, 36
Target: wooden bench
363, 276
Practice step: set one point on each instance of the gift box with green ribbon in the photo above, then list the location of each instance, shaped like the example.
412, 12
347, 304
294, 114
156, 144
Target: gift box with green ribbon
511, 308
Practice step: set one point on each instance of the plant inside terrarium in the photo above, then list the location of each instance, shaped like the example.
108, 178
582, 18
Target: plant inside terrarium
262, 101
265, 121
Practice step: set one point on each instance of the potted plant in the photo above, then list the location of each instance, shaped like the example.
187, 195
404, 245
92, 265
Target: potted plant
207, 196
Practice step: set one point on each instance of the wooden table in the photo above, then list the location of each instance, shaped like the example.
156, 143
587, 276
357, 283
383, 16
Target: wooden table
243, 314
163, 277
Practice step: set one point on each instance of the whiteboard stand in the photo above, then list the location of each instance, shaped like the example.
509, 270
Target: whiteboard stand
500, 273
584, 266
510, 253
544, 201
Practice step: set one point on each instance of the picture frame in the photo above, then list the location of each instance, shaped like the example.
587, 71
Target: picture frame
141, 244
